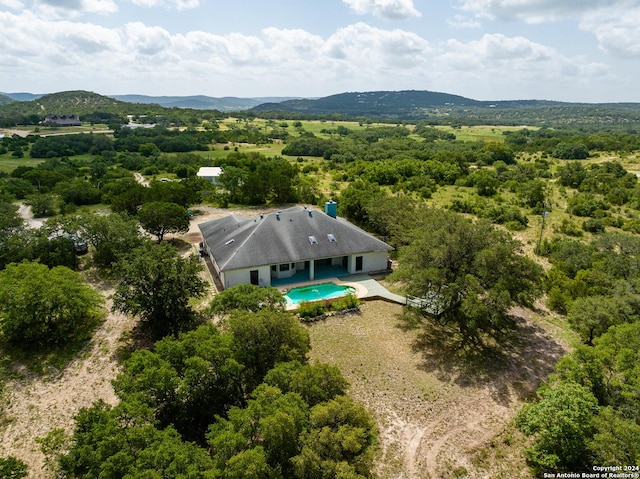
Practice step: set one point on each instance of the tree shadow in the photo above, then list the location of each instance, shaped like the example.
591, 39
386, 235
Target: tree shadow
48, 360
511, 366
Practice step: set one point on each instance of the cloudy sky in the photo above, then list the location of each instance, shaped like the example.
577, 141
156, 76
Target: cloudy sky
568, 50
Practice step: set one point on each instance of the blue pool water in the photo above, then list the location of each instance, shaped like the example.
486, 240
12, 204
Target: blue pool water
317, 292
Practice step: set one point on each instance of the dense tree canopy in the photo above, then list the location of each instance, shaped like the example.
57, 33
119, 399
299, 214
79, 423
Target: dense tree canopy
590, 414
111, 236
12, 468
39, 305
160, 218
247, 297
471, 273
204, 387
562, 422
156, 285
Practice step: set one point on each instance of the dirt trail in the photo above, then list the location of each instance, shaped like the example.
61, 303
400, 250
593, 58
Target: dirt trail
36, 405
436, 412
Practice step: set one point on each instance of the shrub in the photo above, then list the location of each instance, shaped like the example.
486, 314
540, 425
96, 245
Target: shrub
569, 228
312, 309
632, 226
346, 302
514, 226
593, 225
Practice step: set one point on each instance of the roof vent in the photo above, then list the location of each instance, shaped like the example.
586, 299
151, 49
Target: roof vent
310, 214
278, 216
261, 216
229, 242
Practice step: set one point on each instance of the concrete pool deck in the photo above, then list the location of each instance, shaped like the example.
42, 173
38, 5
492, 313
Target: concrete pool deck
366, 288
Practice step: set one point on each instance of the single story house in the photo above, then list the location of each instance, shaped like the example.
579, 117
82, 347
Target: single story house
210, 173
292, 245
62, 120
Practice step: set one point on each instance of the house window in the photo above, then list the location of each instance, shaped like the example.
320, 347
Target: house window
358, 263
284, 267
253, 274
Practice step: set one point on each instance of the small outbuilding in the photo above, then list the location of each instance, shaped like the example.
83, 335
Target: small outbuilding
210, 173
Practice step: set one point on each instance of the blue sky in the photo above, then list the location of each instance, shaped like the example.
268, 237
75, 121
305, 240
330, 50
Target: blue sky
567, 50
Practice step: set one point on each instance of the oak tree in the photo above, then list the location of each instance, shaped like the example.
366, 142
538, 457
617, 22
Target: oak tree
160, 218
157, 285
39, 305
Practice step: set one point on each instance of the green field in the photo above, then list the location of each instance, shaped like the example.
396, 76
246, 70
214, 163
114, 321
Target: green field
9, 163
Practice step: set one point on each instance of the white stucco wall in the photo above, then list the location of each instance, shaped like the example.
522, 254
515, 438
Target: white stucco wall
243, 276
370, 262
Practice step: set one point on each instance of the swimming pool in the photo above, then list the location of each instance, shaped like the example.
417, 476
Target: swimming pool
317, 292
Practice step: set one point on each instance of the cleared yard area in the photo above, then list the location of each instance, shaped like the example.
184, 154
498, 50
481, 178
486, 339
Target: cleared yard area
441, 412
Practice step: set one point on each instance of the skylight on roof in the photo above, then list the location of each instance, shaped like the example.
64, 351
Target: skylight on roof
313, 240
332, 238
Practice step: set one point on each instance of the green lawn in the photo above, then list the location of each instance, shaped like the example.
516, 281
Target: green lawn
480, 133
9, 163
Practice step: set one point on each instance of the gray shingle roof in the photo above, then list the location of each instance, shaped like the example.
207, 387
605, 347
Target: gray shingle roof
284, 237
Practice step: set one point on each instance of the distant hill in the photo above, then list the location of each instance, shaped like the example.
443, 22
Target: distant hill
200, 102
407, 105
87, 105
78, 102
387, 102
23, 96
4, 99
444, 108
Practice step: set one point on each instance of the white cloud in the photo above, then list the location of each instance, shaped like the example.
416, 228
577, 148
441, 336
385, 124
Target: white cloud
148, 41
375, 50
461, 21
37, 38
616, 28
494, 50
507, 65
57, 55
13, 4
169, 4
613, 22
390, 9
532, 11
73, 8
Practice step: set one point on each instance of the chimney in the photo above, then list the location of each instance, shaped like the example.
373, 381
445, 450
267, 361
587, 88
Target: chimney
331, 208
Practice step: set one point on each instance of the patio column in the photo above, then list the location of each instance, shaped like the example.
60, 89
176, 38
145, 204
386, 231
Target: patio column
312, 269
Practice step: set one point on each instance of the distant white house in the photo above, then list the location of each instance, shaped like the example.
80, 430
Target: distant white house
210, 173
297, 242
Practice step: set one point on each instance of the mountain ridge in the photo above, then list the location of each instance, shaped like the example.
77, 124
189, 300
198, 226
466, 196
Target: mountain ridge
403, 105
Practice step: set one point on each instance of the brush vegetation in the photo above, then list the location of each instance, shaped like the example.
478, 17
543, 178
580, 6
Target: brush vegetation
555, 204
